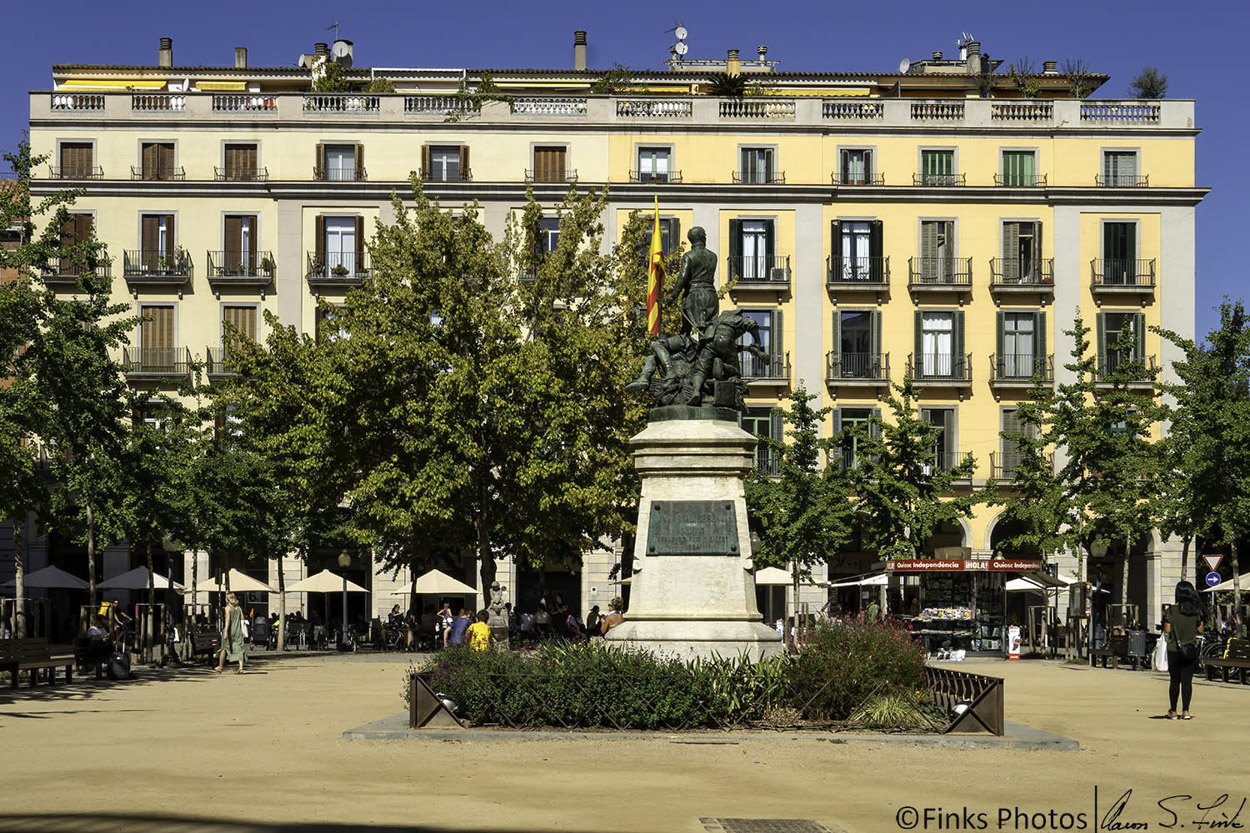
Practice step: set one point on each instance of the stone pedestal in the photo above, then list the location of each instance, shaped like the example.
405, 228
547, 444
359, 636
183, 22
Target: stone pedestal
693, 592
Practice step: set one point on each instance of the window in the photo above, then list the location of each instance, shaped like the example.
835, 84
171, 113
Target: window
156, 338
1022, 245
1006, 470
937, 251
241, 163
757, 166
340, 247
857, 251
764, 424
944, 452
1119, 253
77, 230
550, 164
770, 341
324, 324
752, 245
857, 344
156, 243
1021, 344
340, 163
937, 167
856, 168
855, 426
939, 345
242, 319
1112, 326
157, 161
653, 165
1119, 169
77, 161
445, 163
670, 236
1020, 168
548, 234
239, 257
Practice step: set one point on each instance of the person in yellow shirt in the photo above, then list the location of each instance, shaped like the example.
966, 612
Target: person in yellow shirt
479, 632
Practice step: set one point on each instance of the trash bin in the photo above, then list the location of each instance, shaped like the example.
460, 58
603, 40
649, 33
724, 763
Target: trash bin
260, 630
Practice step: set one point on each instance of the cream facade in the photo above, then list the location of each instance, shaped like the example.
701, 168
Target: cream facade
872, 222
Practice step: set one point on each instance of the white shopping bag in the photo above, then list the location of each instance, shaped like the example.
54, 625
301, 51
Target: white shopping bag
1161, 654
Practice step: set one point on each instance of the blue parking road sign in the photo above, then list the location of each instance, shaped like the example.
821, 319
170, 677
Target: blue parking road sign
1213, 579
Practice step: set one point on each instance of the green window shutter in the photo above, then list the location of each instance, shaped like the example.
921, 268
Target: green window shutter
874, 426
1037, 246
868, 167
876, 336
674, 235
844, 166
1139, 336
958, 339
917, 362
776, 426
1011, 251
876, 231
319, 234
948, 435
1101, 328
360, 244
837, 333
776, 339
837, 421
835, 239
770, 241
1039, 337
928, 242
1000, 321
735, 245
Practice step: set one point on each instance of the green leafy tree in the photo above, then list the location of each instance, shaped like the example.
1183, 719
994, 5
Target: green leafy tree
330, 77
1149, 83
802, 511
615, 80
903, 490
1023, 74
380, 84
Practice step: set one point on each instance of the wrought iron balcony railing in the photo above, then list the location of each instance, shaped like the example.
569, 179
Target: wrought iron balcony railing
759, 177
1122, 180
770, 270
147, 263
1116, 273
771, 366
939, 271
1009, 272
848, 179
946, 459
455, 175
168, 362
550, 176
1003, 465
941, 367
649, 176
224, 265
240, 174
857, 271
354, 174
939, 180
846, 367
1021, 368
1020, 180
345, 267
1138, 369
77, 172
158, 174
67, 270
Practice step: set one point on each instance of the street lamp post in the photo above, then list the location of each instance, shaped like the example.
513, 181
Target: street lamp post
345, 561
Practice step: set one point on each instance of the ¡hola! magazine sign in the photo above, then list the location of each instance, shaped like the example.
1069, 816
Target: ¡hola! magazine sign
963, 565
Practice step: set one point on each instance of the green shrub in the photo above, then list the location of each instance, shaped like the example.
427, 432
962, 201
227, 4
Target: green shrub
841, 666
899, 709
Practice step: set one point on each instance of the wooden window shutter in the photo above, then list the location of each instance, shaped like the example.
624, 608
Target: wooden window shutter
1000, 327
770, 243
252, 242
948, 435
150, 160
918, 362
876, 249
776, 426
836, 333
251, 160
169, 235
875, 346
957, 360
844, 166
874, 426
674, 236
1037, 244
868, 167
735, 246
150, 229
464, 163
835, 239
319, 239
837, 429
82, 228
359, 159
165, 160
1039, 338
1101, 329
233, 260
321, 163
928, 242
360, 245
427, 172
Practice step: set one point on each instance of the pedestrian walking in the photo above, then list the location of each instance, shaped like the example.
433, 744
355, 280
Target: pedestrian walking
233, 647
1181, 626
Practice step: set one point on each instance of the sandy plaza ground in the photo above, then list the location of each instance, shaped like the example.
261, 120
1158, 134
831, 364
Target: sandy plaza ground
186, 750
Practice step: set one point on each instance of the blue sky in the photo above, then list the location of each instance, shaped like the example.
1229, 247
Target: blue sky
1199, 44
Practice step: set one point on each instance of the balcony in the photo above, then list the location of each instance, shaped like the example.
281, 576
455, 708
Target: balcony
945, 460
1122, 181
441, 106
348, 104
354, 174
143, 267
857, 274
1003, 466
65, 272
158, 102
939, 274
771, 371
244, 103
78, 102
1118, 278
856, 370
753, 273
156, 363
940, 110
1138, 371
840, 110
550, 176
648, 177
1020, 370
564, 107
852, 180
165, 174
77, 172
759, 177
240, 269
653, 108
217, 368
337, 270
240, 174
1020, 180
1015, 276
939, 180
940, 370
455, 175
757, 110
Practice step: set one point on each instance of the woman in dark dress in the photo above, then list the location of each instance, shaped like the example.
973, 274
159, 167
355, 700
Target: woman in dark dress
1181, 626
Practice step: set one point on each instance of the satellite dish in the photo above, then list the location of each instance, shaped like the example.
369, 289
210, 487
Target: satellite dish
341, 48
680, 32
680, 48
904, 65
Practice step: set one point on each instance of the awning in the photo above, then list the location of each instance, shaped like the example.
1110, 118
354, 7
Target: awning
438, 583
239, 583
1039, 582
772, 577
878, 580
325, 582
137, 579
49, 578
113, 84
221, 86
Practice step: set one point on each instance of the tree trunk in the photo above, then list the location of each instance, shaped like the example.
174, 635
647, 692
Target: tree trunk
149, 628
1235, 555
281, 606
1185, 555
91, 591
791, 636
19, 583
1128, 554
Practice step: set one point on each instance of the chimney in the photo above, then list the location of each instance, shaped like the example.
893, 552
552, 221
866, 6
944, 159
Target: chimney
974, 48
937, 56
974, 57
733, 66
579, 50
1050, 67
763, 52
165, 57
240, 57
321, 50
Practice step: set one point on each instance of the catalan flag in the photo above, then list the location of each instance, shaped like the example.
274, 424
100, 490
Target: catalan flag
655, 274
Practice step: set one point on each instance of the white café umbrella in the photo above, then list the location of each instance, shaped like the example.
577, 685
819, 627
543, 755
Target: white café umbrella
49, 578
137, 579
239, 583
871, 581
325, 582
1038, 583
437, 583
773, 576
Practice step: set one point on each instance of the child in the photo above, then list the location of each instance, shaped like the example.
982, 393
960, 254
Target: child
479, 632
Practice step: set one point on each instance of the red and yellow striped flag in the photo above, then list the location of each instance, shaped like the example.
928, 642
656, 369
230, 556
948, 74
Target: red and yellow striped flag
655, 275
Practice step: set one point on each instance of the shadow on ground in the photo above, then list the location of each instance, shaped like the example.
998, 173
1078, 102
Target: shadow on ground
152, 822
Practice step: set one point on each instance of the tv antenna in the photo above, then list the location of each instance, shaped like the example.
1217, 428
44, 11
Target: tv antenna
335, 27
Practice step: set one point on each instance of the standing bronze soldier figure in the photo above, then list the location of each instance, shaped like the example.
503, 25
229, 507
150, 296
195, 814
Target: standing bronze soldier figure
698, 279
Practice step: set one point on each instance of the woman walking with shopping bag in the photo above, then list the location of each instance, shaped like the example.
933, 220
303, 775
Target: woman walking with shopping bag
233, 647
1181, 626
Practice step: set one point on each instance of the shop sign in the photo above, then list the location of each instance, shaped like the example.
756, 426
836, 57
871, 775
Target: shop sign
963, 565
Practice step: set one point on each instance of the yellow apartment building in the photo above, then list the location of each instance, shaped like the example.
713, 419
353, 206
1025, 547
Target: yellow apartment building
930, 219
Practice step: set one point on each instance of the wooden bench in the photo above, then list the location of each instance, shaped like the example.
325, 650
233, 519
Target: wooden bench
981, 695
32, 656
95, 653
1116, 647
1236, 659
205, 642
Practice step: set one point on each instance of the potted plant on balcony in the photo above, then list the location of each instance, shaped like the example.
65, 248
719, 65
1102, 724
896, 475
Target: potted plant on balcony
339, 271
182, 259
267, 265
